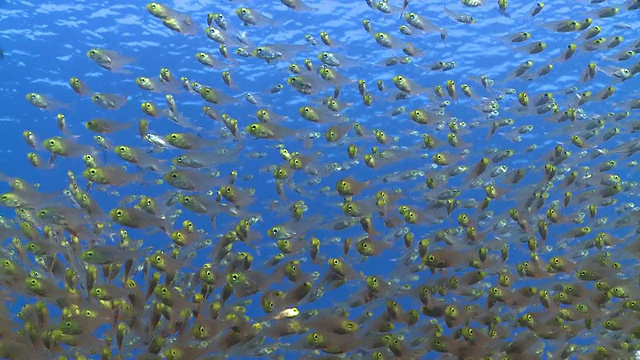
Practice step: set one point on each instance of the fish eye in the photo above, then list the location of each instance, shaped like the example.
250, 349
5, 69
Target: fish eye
325, 55
92, 171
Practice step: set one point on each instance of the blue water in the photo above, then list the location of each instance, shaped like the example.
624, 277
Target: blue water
45, 44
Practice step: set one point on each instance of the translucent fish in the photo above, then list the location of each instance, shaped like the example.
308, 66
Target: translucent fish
109, 101
205, 159
110, 60
44, 102
255, 18
106, 126
191, 180
110, 175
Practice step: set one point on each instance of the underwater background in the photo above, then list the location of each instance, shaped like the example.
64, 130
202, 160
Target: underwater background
319, 179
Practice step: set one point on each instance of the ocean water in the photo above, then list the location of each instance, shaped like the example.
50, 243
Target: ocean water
45, 44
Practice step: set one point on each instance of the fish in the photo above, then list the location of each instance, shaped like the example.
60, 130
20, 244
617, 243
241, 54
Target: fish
363, 179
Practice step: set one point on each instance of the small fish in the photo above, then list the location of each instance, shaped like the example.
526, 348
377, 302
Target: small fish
80, 87
460, 17
44, 102
110, 60
254, 18
106, 126
298, 5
